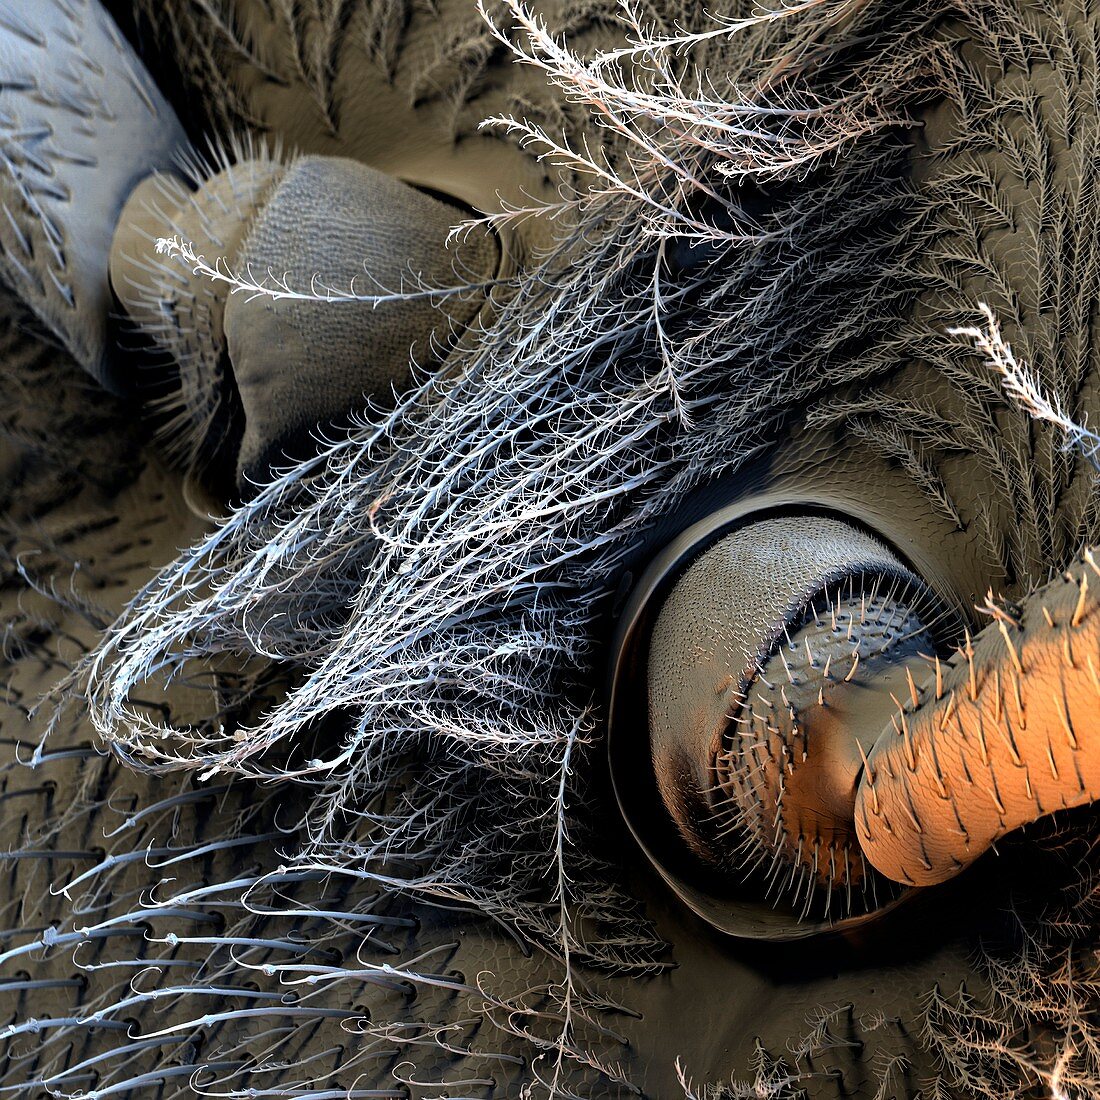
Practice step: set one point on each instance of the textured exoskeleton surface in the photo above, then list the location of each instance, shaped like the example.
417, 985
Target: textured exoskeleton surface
333, 795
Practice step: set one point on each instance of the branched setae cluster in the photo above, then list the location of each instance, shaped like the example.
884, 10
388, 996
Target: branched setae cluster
439, 579
436, 584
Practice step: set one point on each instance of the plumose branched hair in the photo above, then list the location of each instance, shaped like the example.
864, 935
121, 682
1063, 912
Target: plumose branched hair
397, 646
441, 577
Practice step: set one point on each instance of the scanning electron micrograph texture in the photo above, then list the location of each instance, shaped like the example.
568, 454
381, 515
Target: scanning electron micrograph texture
547, 549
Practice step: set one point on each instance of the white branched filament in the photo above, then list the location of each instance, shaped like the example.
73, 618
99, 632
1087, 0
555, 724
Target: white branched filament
1023, 387
278, 288
442, 575
439, 585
